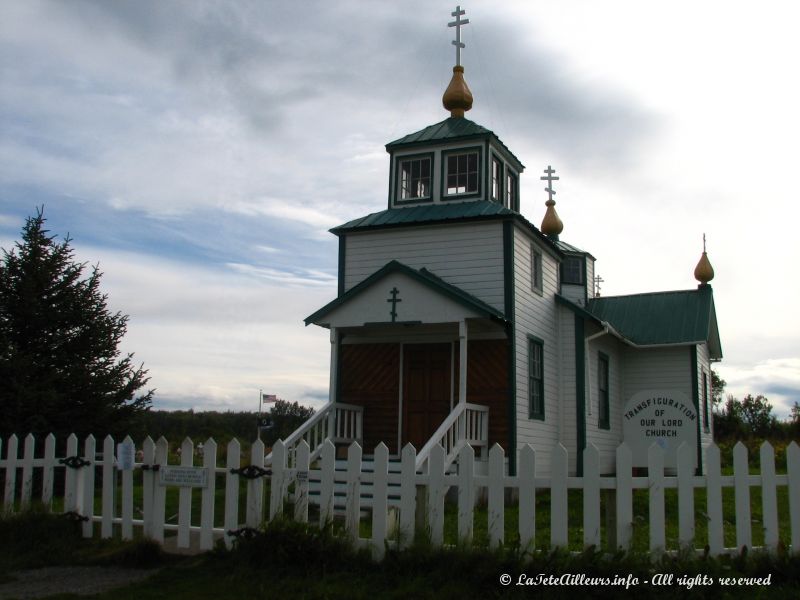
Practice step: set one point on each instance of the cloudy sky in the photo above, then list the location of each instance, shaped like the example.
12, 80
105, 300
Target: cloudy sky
199, 151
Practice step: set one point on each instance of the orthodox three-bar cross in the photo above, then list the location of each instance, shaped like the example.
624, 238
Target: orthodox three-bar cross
549, 179
394, 300
457, 24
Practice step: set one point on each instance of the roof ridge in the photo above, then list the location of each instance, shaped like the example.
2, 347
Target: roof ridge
644, 294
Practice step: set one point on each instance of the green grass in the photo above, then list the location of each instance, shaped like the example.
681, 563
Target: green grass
289, 560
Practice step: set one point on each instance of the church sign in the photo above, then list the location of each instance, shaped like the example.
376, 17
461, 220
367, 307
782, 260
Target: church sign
663, 417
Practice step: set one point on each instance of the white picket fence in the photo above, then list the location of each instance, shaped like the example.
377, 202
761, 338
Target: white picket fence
421, 495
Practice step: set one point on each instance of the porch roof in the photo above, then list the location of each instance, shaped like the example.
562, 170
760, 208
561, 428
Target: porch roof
422, 276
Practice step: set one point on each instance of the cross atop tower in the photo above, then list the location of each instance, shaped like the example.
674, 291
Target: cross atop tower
549, 179
457, 24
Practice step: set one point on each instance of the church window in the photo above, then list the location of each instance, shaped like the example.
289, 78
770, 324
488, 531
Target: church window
603, 395
462, 174
512, 200
572, 270
415, 179
536, 270
497, 179
536, 378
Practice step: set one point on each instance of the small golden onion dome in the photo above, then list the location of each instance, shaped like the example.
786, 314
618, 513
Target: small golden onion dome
551, 224
704, 272
457, 98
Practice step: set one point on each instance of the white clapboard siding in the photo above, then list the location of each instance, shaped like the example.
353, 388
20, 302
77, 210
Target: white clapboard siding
469, 255
371, 486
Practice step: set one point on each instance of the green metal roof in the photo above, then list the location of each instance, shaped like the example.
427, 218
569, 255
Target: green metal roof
451, 129
427, 213
449, 212
565, 247
425, 277
680, 317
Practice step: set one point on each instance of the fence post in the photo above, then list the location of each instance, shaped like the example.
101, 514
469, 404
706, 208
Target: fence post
27, 470
591, 496
301, 464
11, 473
655, 475
686, 468
255, 486
326, 483
624, 499
232, 463
127, 494
148, 485
380, 500
793, 474
496, 512
466, 494
86, 476
160, 491
278, 484
71, 477
109, 484
436, 492
741, 475
48, 470
558, 497
716, 538
408, 495
353, 501
207, 496
185, 496
769, 498
527, 498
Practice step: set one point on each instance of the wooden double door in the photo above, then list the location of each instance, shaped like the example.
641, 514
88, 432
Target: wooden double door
427, 390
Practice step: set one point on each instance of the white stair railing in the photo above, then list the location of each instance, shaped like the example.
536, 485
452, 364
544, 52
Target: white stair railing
336, 421
466, 424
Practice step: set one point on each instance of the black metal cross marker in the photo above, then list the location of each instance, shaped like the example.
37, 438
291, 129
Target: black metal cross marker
394, 300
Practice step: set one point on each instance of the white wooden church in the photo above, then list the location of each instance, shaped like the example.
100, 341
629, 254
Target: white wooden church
458, 320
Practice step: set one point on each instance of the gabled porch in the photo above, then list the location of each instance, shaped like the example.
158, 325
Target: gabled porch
413, 360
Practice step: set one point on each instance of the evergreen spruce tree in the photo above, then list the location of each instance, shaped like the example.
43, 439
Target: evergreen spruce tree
60, 366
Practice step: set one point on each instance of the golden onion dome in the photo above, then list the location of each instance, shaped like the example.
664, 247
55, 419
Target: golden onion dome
457, 98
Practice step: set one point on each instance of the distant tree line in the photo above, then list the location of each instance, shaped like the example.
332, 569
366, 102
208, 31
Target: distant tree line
175, 425
750, 417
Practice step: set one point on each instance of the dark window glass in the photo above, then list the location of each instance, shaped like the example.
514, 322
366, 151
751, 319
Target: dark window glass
415, 178
572, 270
536, 379
462, 174
602, 385
497, 174
536, 270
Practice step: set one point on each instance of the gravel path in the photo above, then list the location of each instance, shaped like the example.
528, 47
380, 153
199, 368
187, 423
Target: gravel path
39, 583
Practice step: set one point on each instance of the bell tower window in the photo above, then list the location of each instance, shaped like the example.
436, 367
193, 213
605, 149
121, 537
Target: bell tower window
462, 173
415, 179
497, 179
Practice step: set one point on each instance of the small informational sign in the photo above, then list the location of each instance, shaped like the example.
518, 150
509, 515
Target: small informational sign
663, 417
302, 476
125, 456
196, 477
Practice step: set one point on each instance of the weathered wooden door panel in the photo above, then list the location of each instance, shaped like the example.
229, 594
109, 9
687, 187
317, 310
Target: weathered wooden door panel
426, 390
